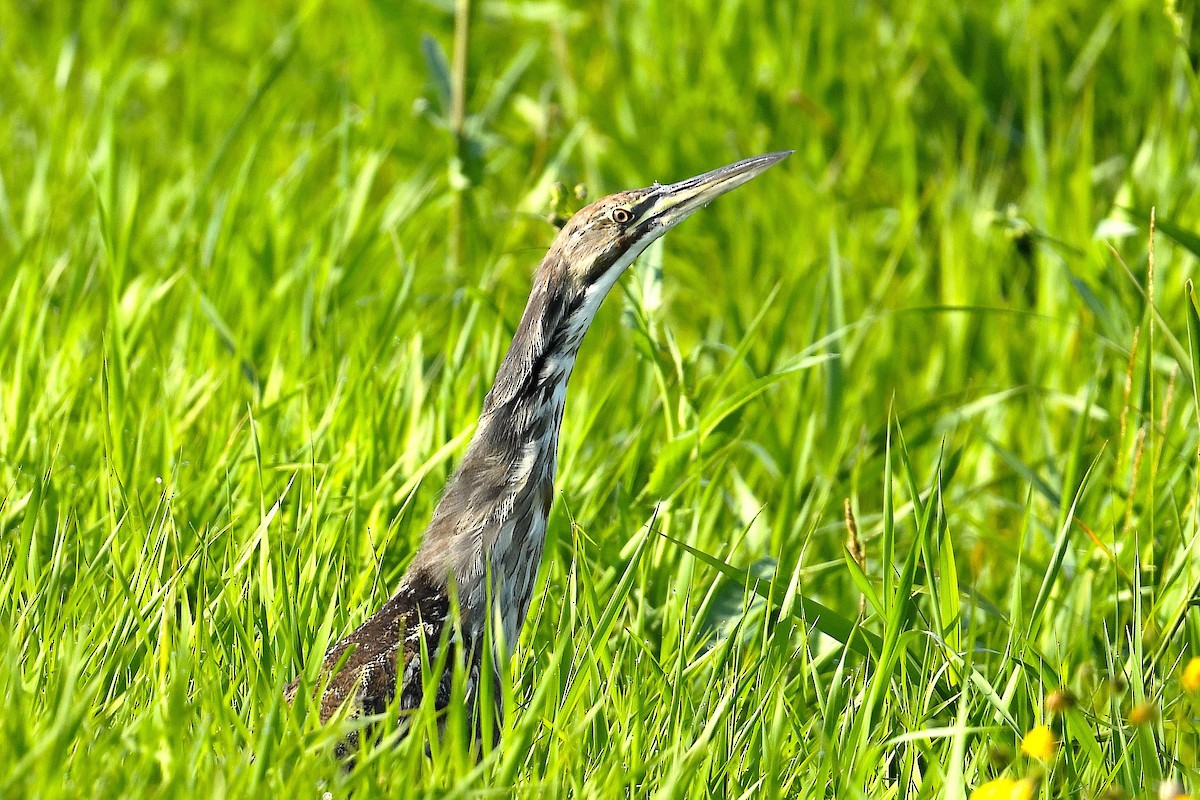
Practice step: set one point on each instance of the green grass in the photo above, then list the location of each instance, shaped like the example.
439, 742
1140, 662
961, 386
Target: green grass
258, 266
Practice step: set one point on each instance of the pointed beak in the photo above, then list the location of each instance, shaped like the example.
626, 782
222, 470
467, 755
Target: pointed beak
676, 202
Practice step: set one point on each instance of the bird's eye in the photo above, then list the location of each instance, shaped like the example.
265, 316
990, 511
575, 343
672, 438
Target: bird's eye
621, 215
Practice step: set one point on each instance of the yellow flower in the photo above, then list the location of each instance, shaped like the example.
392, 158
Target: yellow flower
1005, 789
1191, 675
998, 789
1142, 714
1023, 789
1039, 743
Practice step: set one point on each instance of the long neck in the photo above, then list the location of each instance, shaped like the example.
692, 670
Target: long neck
493, 513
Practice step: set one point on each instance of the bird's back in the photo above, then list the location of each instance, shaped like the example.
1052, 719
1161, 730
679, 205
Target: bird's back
383, 657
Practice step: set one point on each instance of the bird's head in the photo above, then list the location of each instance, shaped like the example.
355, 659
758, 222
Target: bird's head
595, 246
600, 241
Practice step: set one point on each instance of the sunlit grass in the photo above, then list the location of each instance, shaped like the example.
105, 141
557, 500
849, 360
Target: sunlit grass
256, 274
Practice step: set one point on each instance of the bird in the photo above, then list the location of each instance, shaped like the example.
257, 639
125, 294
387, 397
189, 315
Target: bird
482, 549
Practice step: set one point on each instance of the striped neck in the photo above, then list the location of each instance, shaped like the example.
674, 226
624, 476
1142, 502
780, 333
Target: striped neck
493, 513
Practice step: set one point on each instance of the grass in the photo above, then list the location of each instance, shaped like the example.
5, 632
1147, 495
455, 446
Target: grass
258, 266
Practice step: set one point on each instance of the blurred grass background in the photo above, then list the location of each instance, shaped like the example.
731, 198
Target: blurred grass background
258, 265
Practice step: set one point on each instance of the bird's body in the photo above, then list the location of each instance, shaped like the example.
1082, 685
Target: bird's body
484, 543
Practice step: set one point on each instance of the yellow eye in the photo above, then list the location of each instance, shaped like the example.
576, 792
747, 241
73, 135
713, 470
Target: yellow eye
621, 215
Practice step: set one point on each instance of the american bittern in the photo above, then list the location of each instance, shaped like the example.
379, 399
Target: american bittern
484, 543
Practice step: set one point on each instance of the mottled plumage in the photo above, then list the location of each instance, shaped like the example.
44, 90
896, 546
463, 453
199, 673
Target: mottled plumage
491, 521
